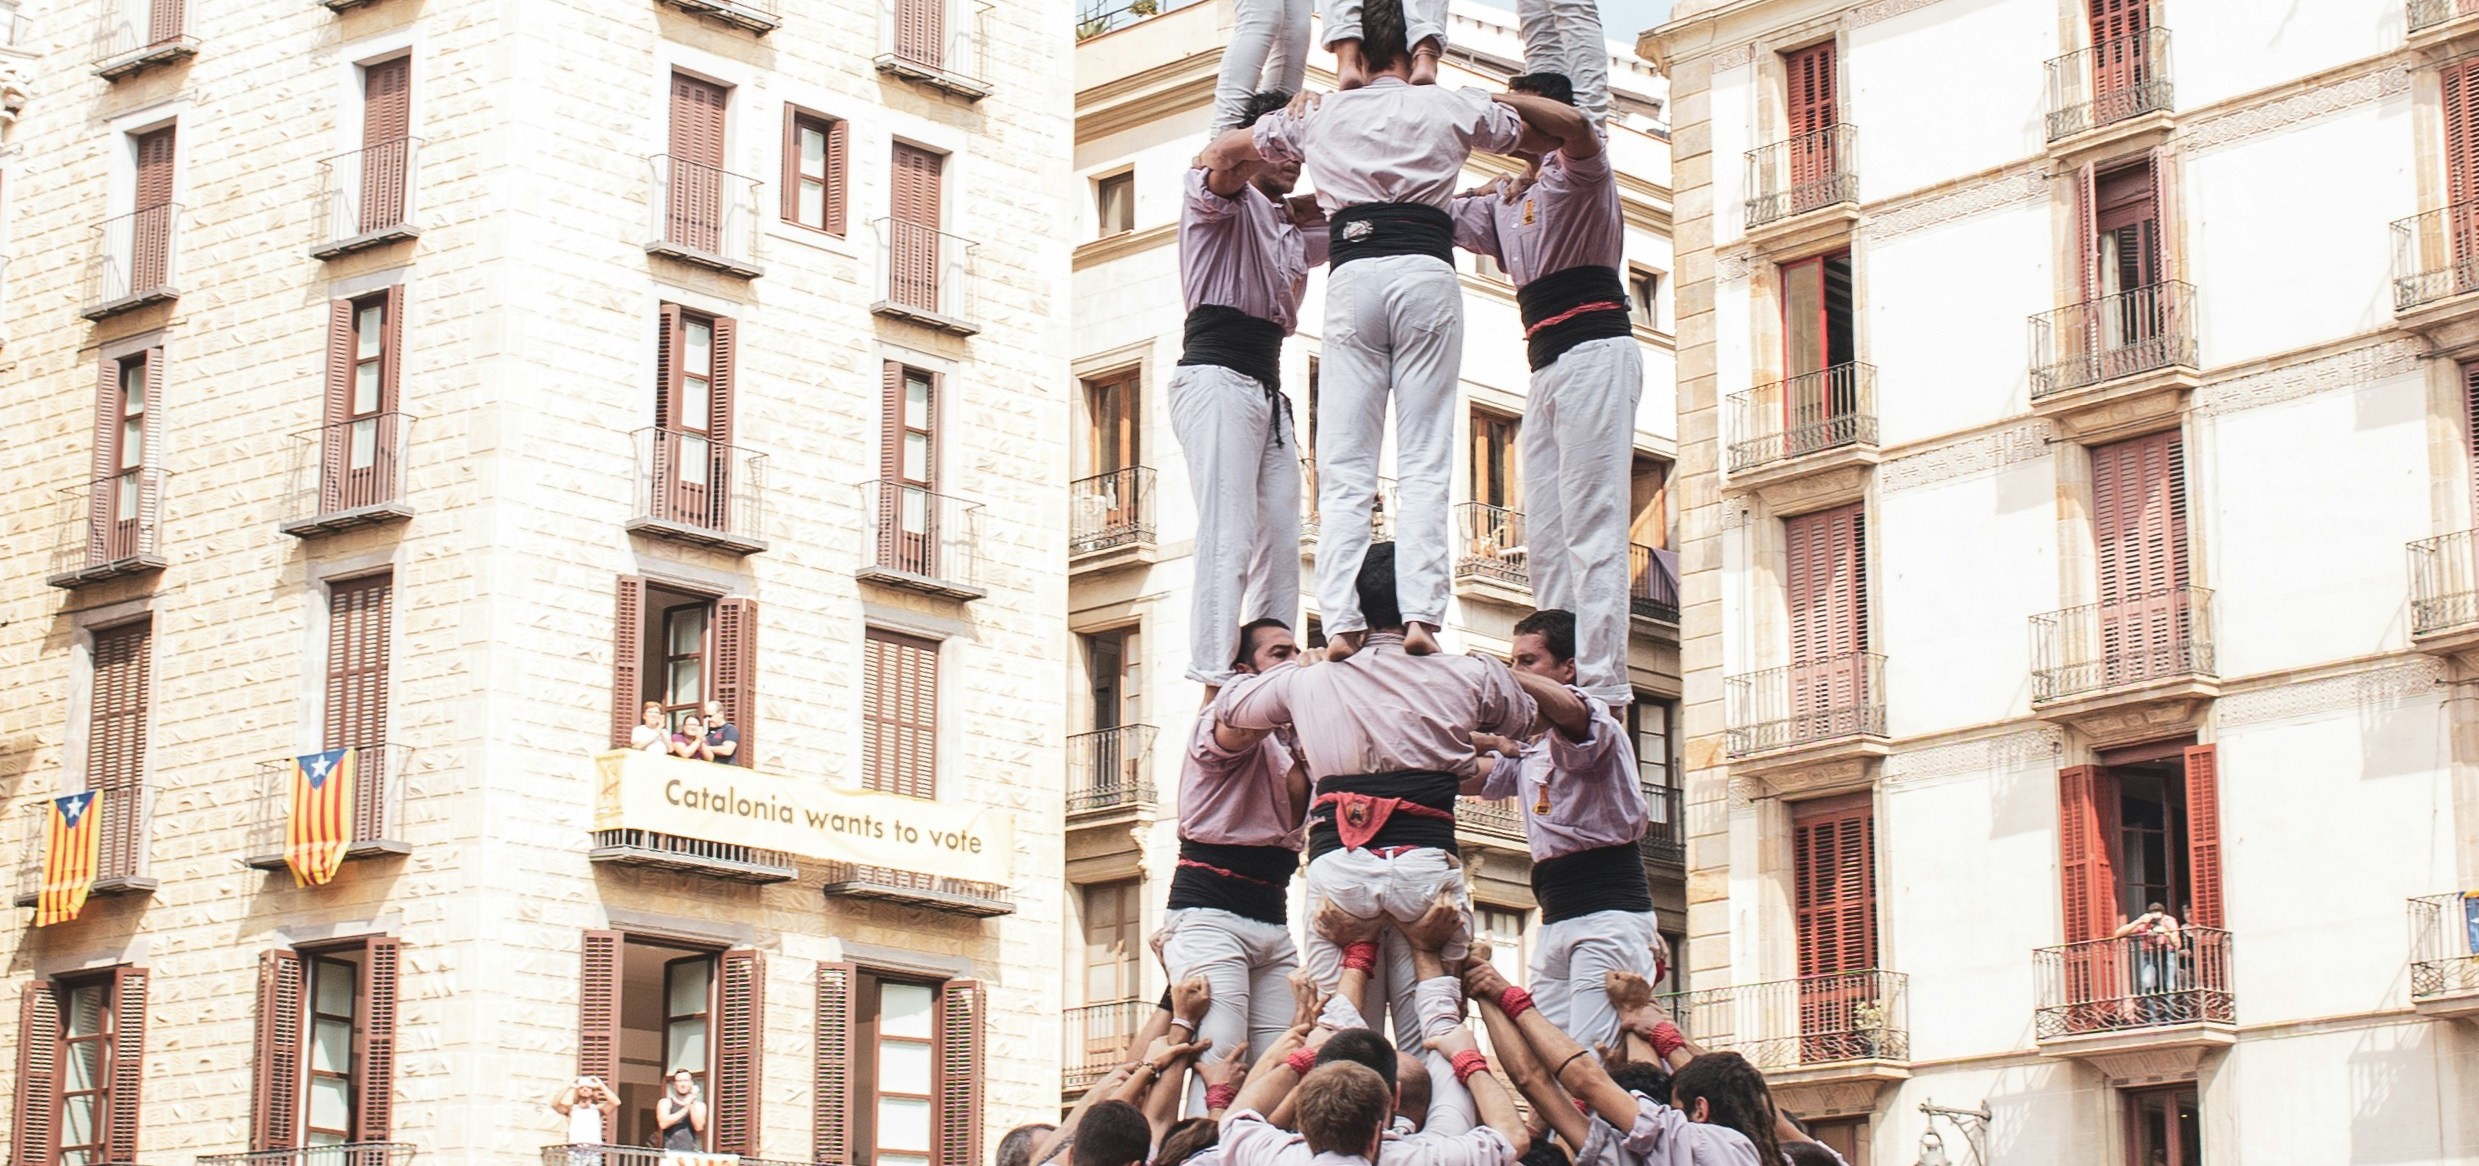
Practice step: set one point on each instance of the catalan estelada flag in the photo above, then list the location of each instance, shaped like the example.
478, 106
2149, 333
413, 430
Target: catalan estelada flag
73, 846
320, 829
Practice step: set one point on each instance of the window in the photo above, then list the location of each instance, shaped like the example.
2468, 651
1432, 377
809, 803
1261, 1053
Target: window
1833, 891
78, 1086
1114, 199
814, 170
2460, 82
360, 615
2126, 220
1493, 460
909, 518
649, 1007
149, 237
2120, 63
1503, 927
122, 507
914, 228
334, 996
2139, 546
1111, 668
1114, 917
1828, 603
386, 160
1644, 297
694, 183
86, 1071
688, 1004
1819, 342
1650, 719
692, 439
116, 742
1847, 1136
1308, 428
1111, 407
901, 1048
2142, 828
2163, 1127
1648, 496
682, 649
878, 1098
1674, 976
1812, 111
899, 714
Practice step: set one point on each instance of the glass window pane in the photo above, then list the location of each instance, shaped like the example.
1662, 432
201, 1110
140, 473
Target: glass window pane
903, 1123
688, 631
365, 444
916, 457
318, 1139
82, 1068
84, 1014
133, 387
366, 387
331, 1103
686, 686
1803, 317
886, 1159
684, 1046
813, 202
687, 987
700, 357
916, 402
904, 1011
813, 153
331, 1046
369, 331
916, 516
695, 458
80, 1157
904, 1066
77, 1120
696, 403
133, 443
126, 505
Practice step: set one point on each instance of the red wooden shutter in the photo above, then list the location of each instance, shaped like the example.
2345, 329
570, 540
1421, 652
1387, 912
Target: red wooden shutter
375, 1105
2461, 107
106, 462
1833, 862
2203, 836
360, 618
391, 350
157, 151
150, 256
120, 1142
2470, 434
123, 665
149, 505
598, 1013
740, 1047
912, 262
335, 440
695, 210
168, 20
275, 1067
891, 424
1812, 114
628, 625
720, 376
831, 1078
2117, 50
2139, 540
670, 347
735, 671
1827, 586
838, 170
959, 1075
2087, 236
2088, 879
387, 121
899, 712
36, 1137
921, 32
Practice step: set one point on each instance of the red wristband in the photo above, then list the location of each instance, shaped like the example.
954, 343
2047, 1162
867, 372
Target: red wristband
1220, 1096
1666, 1039
1514, 1001
1468, 1062
1302, 1060
1360, 957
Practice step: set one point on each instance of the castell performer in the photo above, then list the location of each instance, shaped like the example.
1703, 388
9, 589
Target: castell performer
1244, 255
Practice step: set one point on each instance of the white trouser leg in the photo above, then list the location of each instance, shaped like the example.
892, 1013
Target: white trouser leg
1351, 425
1223, 421
1422, 20
1573, 959
1578, 451
1286, 68
1405, 318
1564, 36
1274, 555
1257, 28
1244, 961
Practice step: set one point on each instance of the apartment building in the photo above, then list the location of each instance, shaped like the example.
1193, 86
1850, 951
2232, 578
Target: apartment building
1144, 80
451, 381
2075, 475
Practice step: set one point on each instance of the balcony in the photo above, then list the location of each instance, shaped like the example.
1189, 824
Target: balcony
846, 880
1110, 771
344, 5
693, 489
922, 541
929, 276
2444, 593
137, 35
2430, 17
1828, 1041
1798, 176
123, 866
1812, 423
1665, 826
2123, 359
1500, 822
1652, 584
2137, 1000
347, 474
1110, 519
348, 1154
754, 16
368, 196
2124, 668
1381, 509
935, 43
108, 527
1490, 555
580, 1154
705, 216
615, 841
2435, 270
2444, 955
1808, 728
1094, 1040
380, 775
137, 261
2122, 83
1095, 17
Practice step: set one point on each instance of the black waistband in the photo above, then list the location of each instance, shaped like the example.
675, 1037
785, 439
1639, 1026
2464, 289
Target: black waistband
1227, 337
1249, 881
1606, 878
1372, 229
1560, 293
1426, 788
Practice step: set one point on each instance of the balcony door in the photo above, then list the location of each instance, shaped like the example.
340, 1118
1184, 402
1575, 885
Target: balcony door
2141, 828
122, 506
921, 32
1833, 890
695, 207
693, 419
1111, 404
1497, 489
1827, 586
1820, 342
387, 125
1812, 111
358, 447
913, 242
2119, 62
1112, 671
150, 254
2145, 619
360, 619
2460, 82
116, 743
1114, 928
2124, 270
2164, 1127
908, 473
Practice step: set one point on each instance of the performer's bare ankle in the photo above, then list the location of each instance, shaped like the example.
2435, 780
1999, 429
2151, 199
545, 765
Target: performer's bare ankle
1340, 645
1419, 639
1349, 70
1424, 62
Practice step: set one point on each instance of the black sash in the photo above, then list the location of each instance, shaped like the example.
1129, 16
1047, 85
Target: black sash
1372, 229
1248, 881
1424, 789
1552, 323
1606, 878
1227, 337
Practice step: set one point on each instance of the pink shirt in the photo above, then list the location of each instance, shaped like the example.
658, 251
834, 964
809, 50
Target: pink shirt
1382, 710
1244, 252
1235, 799
1592, 788
1389, 141
1249, 1140
1570, 218
1663, 1136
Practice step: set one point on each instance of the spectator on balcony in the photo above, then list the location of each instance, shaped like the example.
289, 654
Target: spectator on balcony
586, 1105
651, 735
689, 740
722, 736
681, 1115
2152, 940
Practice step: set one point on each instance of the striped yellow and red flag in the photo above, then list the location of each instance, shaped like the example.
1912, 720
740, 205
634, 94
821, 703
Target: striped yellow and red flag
321, 827
70, 860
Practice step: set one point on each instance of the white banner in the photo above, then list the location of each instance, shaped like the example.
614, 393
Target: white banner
806, 817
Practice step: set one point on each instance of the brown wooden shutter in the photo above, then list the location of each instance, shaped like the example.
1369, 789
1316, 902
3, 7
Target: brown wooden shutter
628, 626
735, 671
391, 351
899, 713
123, 665
2087, 237
912, 261
1811, 88
1833, 880
921, 32
2139, 542
2461, 107
1827, 588
891, 423
960, 1073
740, 1048
375, 1103
670, 349
697, 118
2087, 878
335, 442
2470, 432
788, 202
129, 992
2203, 836
106, 463
831, 1078
35, 1139
387, 120
149, 504
168, 20
360, 619
720, 379
157, 151
598, 1013
2117, 54
275, 1066
695, 200
150, 258
838, 173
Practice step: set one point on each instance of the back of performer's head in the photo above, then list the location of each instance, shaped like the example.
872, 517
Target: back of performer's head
1016, 1149
1114, 1133
1251, 641
1343, 1109
1555, 86
1359, 1046
1644, 1077
1723, 1089
1411, 1090
1384, 42
1544, 1153
1187, 1138
1555, 627
1808, 1154
1378, 604
1261, 103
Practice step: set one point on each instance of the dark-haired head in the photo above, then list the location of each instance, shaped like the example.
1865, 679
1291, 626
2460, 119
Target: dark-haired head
1555, 86
1185, 1139
1809, 1154
1362, 1047
1263, 643
1544, 1153
1114, 1133
1261, 103
1016, 1149
1378, 603
1723, 1089
1642, 1077
1545, 645
1384, 42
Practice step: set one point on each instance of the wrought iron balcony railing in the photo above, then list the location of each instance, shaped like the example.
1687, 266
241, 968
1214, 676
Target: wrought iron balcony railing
2444, 945
599, 1154
1110, 510
935, 42
348, 473
845, 880
2444, 583
2119, 335
757, 16
1813, 1020
1831, 699
137, 261
2427, 14
1665, 826
929, 276
348, 1154
381, 774
2109, 82
124, 862
1489, 544
1380, 511
2121, 642
368, 198
923, 540
1094, 1039
705, 215
1802, 173
2135, 982
139, 34
1109, 769
108, 527
1806, 414
1652, 584
1500, 819
2435, 255
692, 488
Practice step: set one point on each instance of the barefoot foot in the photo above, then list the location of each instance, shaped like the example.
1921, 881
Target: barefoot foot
1419, 639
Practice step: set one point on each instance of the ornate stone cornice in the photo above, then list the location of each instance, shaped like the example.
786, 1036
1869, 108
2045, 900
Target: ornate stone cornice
2346, 369
2380, 688
2305, 104
1979, 454
2011, 187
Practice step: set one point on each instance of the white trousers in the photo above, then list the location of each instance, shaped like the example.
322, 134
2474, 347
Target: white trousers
1402, 888
1577, 448
1268, 50
1564, 36
1244, 471
1571, 958
1393, 331
1248, 964
1422, 20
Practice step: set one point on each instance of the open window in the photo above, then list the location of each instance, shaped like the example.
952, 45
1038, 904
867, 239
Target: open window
681, 648
652, 1007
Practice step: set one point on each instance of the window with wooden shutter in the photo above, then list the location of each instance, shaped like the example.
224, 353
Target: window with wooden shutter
37, 1114
914, 226
1111, 406
1494, 481
1827, 604
2460, 81
98, 1023
815, 170
116, 735
129, 998
908, 471
2119, 62
386, 157
2126, 215
150, 233
360, 619
693, 418
960, 1073
275, 1062
735, 671
1833, 884
598, 1012
899, 713
739, 1051
122, 507
628, 619
2139, 544
898, 1115
359, 446
2203, 837
1812, 110
375, 1093
2470, 434
334, 999
831, 1080
2086, 839
694, 198
921, 32
1113, 933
